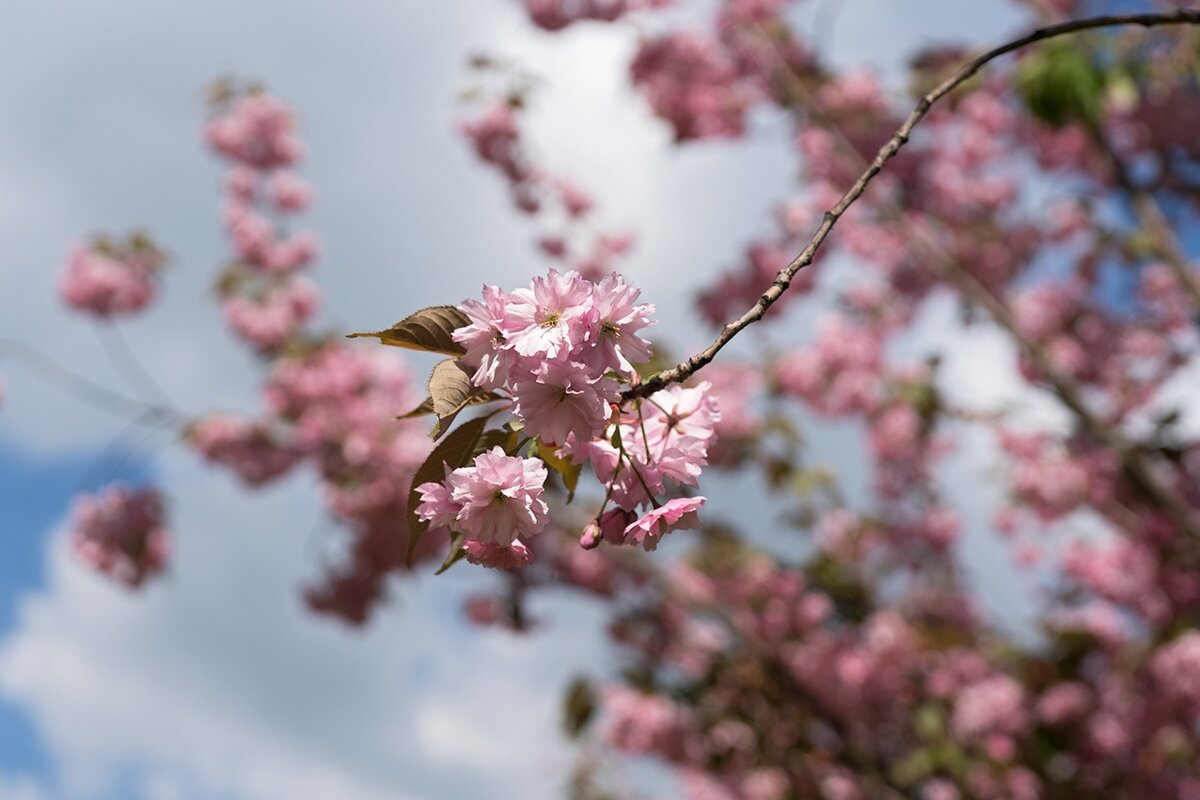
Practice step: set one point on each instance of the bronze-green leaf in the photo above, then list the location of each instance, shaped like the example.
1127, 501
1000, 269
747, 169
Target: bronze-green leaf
457, 553
429, 329
426, 407
454, 451
504, 438
450, 389
568, 470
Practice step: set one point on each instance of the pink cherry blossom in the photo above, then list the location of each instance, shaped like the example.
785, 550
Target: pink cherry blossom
552, 317
109, 281
499, 498
677, 514
256, 129
563, 399
1176, 666
498, 556
289, 192
486, 338
270, 319
248, 448
995, 704
121, 532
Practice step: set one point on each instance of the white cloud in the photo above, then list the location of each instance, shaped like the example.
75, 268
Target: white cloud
979, 367
408, 219
216, 682
20, 787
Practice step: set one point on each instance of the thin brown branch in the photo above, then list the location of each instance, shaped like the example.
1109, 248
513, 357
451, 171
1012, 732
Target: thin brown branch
783, 280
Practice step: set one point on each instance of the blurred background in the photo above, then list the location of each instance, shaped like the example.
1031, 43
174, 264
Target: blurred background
217, 682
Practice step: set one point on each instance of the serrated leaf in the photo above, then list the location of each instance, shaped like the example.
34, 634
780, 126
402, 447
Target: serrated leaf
450, 390
454, 451
426, 406
568, 470
429, 329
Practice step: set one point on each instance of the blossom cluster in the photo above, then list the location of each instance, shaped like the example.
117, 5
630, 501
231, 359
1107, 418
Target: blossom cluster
327, 405
109, 278
121, 533
497, 502
265, 299
332, 407
554, 15
554, 346
248, 447
561, 349
694, 86
665, 439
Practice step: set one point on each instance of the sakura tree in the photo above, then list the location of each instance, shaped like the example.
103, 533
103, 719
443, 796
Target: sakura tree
1047, 187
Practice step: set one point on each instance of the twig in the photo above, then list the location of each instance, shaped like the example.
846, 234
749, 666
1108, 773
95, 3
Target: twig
83, 388
121, 450
128, 366
783, 280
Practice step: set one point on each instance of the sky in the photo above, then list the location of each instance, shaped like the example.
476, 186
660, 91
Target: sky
215, 682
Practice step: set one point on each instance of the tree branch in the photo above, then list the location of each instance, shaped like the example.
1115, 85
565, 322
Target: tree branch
687, 368
83, 388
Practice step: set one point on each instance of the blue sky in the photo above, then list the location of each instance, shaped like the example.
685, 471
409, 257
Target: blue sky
215, 682
34, 489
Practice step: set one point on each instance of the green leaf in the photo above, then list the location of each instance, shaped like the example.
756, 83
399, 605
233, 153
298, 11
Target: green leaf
929, 722
579, 705
1060, 84
564, 467
454, 451
914, 767
506, 439
429, 329
456, 554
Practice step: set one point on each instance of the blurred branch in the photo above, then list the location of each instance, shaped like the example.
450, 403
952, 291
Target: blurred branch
687, 368
128, 366
84, 388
